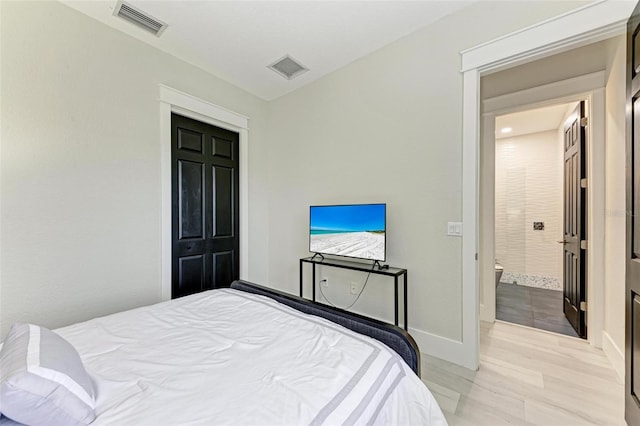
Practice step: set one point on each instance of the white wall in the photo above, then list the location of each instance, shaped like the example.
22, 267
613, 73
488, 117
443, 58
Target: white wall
528, 188
387, 128
80, 166
615, 207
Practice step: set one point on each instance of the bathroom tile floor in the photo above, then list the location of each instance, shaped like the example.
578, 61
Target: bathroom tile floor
534, 307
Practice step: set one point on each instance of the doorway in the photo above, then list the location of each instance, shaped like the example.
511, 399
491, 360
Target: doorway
589, 87
534, 287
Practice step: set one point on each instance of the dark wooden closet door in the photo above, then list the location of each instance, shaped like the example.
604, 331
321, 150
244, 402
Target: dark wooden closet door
205, 228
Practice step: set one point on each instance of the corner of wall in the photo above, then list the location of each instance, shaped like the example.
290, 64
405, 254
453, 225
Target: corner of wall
615, 355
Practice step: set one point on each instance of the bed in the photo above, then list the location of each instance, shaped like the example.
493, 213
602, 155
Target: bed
245, 355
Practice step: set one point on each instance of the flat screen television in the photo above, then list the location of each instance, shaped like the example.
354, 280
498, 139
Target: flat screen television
353, 230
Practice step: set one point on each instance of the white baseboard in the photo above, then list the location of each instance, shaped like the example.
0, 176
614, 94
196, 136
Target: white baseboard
444, 348
615, 355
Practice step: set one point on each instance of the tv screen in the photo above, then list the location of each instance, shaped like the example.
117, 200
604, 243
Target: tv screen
356, 230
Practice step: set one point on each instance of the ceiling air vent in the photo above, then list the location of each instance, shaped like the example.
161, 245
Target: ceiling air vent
288, 67
140, 18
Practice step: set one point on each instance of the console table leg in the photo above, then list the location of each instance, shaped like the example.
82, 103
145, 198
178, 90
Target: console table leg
406, 309
301, 278
313, 282
395, 284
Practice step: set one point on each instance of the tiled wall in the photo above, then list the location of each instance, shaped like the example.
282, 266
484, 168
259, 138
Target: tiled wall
529, 189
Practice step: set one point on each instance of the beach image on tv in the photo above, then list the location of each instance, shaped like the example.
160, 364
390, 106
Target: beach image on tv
354, 231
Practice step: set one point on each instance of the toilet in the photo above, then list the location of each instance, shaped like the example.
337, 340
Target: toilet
499, 271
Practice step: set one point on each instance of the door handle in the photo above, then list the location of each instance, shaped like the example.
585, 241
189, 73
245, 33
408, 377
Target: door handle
562, 242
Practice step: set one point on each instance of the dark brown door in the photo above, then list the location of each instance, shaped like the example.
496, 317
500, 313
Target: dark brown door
574, 241
205, 229
632, 290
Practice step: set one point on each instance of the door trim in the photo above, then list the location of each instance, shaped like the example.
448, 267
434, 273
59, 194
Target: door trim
589, 24
172, 100
589, 87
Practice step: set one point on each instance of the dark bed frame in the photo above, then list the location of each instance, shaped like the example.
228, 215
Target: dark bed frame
394, 337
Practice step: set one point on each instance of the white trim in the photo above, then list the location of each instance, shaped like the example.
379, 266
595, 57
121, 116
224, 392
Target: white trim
165, 200
591, 23
486, 219
614, 353
470, 306
588, 87
172, 100
596, 131
208, 109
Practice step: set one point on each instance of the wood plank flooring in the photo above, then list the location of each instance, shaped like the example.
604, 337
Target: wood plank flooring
534, 307
528, 377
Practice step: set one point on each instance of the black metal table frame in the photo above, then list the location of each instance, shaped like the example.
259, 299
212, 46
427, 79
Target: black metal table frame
396, 273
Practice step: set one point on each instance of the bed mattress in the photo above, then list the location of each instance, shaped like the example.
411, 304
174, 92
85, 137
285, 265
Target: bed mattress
230, 357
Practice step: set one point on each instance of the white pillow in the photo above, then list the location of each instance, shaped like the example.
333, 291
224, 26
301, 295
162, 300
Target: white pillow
42, 379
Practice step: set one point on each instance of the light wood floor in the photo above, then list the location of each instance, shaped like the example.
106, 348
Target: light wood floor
528, 377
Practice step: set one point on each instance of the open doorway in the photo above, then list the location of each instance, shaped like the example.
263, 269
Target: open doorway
537, 194
589, 87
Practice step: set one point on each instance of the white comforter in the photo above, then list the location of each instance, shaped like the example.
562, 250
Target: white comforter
233, 358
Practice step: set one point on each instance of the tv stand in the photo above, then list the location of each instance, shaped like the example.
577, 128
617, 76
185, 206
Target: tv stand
375, 268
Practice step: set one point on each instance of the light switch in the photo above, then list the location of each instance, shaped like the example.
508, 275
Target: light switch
454, 229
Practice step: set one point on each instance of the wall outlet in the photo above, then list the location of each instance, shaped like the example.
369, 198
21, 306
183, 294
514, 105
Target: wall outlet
324, 282
354, 288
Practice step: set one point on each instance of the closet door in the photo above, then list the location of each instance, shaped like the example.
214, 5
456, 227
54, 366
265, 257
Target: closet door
205, 228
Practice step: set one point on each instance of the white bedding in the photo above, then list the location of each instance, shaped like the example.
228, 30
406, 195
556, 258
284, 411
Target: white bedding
230, 357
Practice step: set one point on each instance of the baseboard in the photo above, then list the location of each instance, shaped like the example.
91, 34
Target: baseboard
615, 355
450, 350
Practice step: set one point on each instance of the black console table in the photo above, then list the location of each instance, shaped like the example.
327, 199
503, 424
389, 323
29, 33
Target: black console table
396, 273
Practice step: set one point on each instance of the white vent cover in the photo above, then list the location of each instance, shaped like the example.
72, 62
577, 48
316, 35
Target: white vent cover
142, 19
288, 67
